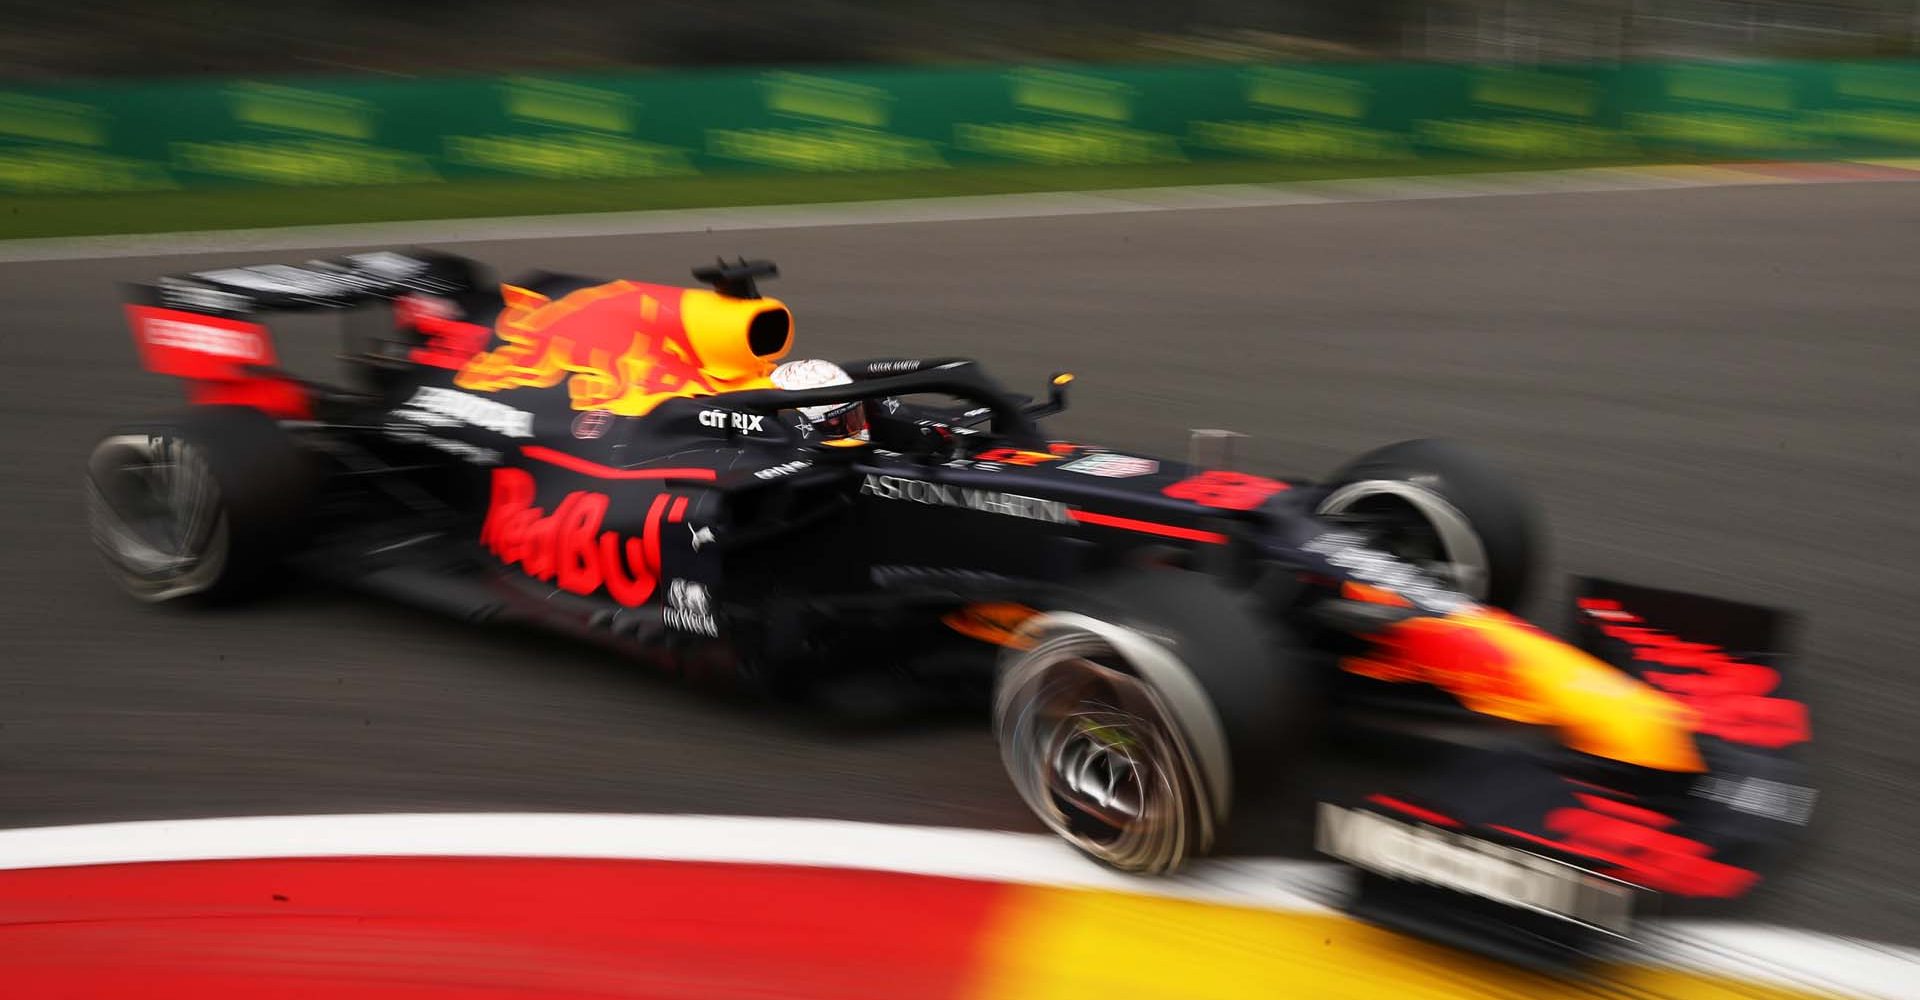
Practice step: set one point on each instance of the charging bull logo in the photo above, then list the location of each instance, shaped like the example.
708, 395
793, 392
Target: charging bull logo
621, 347
567, 547
1498, 665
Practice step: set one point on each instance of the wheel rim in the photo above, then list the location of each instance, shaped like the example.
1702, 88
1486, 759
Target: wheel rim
156, 514
1417, 526
1095, 754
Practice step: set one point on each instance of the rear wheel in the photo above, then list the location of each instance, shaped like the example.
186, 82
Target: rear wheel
1442, 507
1130, 723
202, 506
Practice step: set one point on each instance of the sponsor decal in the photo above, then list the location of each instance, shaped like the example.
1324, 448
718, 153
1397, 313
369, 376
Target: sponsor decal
387, 266
701, 536
199, 298
1776, 800
968, 463
430, 405
1423, 854
893, 367
1350, 553
746, 423
1014, 456
222, 358
282, 279
783, 469
592, 424
459, 449
1226, 490
1733, 699
567, 547
688, 610
328, 281
202, 337
1112, 466
986, 501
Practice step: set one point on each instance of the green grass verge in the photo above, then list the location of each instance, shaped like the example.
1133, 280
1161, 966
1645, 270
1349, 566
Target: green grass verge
23, 216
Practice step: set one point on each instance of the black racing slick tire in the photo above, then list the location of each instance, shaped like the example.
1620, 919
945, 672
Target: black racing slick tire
1439, 504
1130, 721
198, 507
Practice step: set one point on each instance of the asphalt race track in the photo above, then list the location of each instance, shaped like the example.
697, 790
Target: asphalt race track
1715, 389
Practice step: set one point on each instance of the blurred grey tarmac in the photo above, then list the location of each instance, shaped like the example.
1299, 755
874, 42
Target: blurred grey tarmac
1710, 389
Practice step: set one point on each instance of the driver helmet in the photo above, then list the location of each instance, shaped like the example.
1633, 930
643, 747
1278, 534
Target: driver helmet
834, 420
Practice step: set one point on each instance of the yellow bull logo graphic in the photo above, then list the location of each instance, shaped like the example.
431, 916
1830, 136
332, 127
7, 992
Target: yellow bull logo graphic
621, 347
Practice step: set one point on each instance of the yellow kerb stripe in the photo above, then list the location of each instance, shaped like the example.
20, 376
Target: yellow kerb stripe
1063, 944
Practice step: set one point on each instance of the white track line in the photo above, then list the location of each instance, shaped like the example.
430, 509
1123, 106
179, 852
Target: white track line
869, 213
1034, 859
1799, 959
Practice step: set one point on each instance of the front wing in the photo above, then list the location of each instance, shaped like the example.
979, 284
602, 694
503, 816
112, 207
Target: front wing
1546, 858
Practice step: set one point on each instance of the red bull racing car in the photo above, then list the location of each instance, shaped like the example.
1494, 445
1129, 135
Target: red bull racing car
1162, 639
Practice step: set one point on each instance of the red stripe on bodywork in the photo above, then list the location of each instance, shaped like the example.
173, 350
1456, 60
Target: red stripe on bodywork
415, 928
574, 463
1428, 815
1148, 527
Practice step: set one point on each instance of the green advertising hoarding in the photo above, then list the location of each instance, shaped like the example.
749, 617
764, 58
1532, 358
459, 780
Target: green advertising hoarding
357, 131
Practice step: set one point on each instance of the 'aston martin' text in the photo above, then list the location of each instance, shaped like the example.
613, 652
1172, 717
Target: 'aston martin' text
987, 501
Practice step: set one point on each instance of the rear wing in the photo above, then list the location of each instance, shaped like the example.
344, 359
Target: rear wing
205, 327
336, 283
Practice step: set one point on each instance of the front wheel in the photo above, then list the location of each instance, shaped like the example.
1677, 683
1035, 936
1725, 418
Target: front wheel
1132, 722
1099, 756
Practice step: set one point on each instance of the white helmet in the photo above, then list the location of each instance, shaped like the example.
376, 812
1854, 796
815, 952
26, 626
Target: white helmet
835, 420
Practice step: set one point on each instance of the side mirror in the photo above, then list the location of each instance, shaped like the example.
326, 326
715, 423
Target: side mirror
933, 444
1056, 396
923, 440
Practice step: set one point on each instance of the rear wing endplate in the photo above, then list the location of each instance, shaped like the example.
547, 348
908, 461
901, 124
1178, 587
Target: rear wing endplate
204, 327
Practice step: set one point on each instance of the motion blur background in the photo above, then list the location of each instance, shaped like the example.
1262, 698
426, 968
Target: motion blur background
208, 111
132, 38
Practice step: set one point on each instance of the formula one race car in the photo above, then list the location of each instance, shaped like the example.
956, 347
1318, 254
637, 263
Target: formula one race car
621, 460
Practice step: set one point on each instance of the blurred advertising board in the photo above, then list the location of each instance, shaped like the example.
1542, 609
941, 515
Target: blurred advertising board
360, 131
